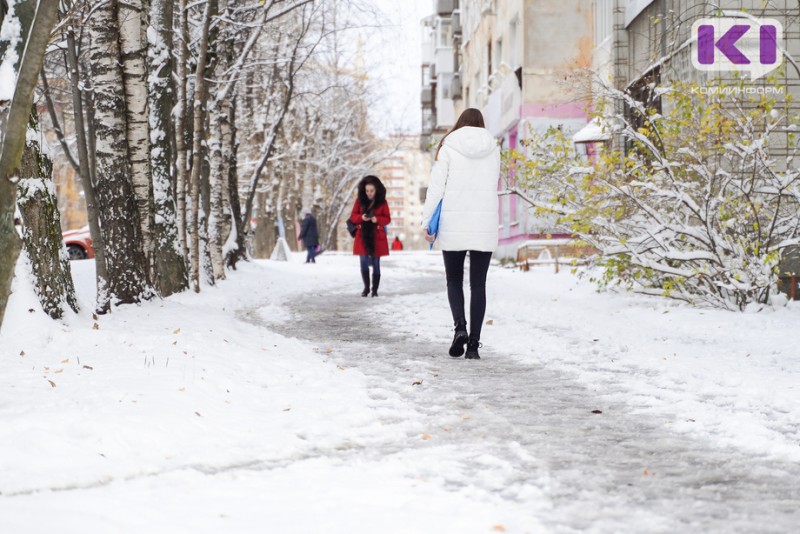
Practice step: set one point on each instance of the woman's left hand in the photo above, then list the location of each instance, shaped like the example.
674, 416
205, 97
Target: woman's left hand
429, 237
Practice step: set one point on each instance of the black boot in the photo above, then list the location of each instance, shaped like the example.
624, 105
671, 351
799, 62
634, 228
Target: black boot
472, 350
459, 340
365, 278
376, 281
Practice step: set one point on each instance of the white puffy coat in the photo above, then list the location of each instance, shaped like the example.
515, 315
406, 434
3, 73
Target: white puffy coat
465, 176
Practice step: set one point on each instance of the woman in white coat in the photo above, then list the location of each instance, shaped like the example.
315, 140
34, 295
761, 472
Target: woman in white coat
464, 177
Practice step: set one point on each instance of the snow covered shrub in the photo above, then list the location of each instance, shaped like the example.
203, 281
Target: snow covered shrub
698, 206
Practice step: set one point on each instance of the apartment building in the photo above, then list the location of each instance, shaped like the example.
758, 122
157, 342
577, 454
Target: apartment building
525, 64
403, 174
643, 43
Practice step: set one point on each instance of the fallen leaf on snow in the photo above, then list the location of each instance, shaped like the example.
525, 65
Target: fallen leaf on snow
52, 384
95, 326
198, 414
178, 331
22, 353
65, 361
490, 322
339, 367
89, 367
597, 411
426, 436
58, 371
95, 317
499, 528
416, 383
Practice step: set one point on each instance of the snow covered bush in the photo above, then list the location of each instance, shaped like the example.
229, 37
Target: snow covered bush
698, 205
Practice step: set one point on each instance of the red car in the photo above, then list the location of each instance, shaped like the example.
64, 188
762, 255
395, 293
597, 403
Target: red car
79, 244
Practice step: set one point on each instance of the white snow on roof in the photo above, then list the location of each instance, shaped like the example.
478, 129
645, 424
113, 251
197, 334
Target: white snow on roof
595, 131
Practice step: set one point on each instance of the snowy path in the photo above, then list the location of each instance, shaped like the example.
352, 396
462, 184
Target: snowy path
280, 401
527, 433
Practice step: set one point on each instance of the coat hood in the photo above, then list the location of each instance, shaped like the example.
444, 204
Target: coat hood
471, 142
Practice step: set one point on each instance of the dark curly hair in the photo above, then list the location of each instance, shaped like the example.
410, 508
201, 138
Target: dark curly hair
380, 192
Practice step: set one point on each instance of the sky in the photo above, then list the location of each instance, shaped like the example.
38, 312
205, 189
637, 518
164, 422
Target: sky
392, 57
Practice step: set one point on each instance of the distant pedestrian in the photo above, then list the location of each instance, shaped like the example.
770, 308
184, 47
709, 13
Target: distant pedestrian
464, 177
309, 235
397, 244
371, 215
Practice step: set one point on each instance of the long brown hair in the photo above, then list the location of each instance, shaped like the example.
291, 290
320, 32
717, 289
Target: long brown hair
469, 117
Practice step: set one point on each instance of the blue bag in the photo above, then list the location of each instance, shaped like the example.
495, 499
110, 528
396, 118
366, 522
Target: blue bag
433, 226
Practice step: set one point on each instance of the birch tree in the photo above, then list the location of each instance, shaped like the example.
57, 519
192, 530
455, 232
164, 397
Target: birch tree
19, 70
170, 274
121, 226
131, 17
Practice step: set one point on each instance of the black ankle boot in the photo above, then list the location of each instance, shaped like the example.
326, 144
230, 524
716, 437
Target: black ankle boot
365, 278
472, 350
459, 340
376, 282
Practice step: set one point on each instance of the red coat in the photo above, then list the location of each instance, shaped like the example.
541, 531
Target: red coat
381, 241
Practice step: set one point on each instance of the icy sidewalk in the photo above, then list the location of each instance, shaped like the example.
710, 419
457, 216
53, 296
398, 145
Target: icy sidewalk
604, 413
283, 402
178, 416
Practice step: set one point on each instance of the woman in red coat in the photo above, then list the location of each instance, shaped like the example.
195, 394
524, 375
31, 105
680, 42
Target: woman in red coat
371, 214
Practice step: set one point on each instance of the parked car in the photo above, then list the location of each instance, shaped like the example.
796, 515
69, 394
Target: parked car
79, 244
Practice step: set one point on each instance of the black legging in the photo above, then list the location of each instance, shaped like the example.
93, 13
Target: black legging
478, 268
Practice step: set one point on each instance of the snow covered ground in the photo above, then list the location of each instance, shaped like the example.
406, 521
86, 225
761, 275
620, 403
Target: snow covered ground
281, 401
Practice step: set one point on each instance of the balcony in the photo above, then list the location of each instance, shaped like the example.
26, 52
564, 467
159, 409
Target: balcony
444, 60
456, 23
444, 8
456, 88
426, 96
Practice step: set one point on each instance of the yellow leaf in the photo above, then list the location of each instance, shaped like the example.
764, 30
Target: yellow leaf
426, 436
178, 331
490, 322
65, 361
58, 371
329, 350
499, 528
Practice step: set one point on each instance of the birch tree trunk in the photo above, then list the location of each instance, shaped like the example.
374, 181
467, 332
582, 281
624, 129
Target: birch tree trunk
235, 249
170, 274
133, 53
181, 114
14, 114
119, 213
85, 166
218, 146
201, 92
42, 230
219, 151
